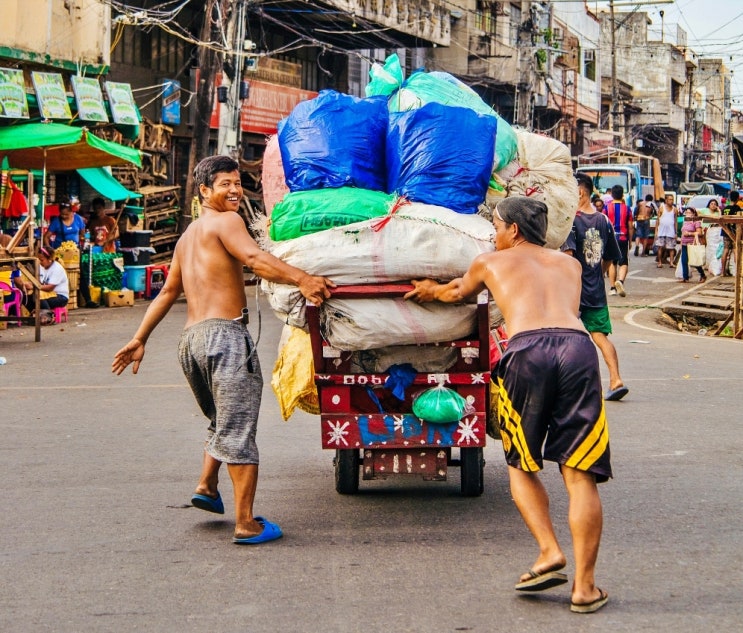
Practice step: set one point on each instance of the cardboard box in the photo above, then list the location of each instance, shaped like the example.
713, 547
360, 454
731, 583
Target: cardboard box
118, 298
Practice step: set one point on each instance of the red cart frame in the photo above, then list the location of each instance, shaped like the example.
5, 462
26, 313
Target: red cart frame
380, 436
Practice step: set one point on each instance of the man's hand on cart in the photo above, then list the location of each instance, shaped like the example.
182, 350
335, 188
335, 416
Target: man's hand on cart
424, 292
315, 289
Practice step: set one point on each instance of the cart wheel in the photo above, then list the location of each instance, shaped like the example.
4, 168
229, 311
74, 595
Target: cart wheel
346, 464
472, 466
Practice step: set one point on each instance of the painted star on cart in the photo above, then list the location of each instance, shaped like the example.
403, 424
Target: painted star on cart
467, 430
337, 433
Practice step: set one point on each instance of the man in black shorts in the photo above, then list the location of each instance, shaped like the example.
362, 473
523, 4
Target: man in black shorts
558, 405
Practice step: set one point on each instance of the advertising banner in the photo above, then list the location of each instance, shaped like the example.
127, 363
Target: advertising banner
121, 100
50, 93
13, 104
89, 97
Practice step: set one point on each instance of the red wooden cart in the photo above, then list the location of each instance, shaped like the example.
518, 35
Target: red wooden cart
374, 433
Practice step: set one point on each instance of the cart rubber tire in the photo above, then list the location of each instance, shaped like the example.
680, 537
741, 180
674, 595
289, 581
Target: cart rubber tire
472, 467
347, 463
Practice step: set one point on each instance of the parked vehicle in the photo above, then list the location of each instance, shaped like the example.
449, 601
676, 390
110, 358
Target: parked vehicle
637, 173
701, 203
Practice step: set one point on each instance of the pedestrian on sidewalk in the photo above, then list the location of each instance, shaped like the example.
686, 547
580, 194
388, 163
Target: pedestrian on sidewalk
216, 351
665, 232
592, 243
644, 211
691, 230
549, 391
620, 216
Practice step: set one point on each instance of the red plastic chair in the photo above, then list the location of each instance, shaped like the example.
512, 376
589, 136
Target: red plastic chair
15, 302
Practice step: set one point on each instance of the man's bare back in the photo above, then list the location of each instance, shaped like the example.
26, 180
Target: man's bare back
533, 286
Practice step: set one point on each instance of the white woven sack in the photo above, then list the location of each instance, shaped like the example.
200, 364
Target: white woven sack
356, 324
547, 175
425, 359
418, 240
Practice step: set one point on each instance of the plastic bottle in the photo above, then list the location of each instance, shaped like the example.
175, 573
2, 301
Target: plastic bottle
86, 244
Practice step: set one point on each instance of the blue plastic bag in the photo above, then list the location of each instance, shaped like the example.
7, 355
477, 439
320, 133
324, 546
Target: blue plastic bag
335, 140
441, 155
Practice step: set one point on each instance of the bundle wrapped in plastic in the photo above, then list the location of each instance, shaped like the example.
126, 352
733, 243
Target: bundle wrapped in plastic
293, 378
545, 172
272, 175
437, 87
334, 140
304, 212
439, 405
441, 155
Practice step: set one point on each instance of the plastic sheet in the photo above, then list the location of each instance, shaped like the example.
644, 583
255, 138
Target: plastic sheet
305, 212
334, 140
441, 155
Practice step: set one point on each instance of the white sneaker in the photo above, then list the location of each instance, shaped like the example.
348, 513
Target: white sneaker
613, 291
620, 288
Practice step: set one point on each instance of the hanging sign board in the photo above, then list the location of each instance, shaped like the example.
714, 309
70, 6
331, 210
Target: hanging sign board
267, 104
51, 95
121, 100
171, 109
89, 99
13, 104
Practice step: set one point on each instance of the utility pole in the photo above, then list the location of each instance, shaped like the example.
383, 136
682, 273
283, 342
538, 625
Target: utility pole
210, 63
690, 129
613, 118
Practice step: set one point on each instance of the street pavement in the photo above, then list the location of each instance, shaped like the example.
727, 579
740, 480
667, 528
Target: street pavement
98, 470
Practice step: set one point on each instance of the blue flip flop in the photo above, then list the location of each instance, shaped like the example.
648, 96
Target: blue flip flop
210, 504
616, 394
271, 531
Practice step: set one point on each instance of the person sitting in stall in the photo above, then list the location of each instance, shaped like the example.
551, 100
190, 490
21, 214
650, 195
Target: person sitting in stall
68, 226
55, 288
103, 229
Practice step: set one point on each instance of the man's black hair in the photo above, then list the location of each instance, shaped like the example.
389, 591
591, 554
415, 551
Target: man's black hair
585, 181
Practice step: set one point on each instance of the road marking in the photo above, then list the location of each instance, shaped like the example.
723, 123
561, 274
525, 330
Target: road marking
655, 280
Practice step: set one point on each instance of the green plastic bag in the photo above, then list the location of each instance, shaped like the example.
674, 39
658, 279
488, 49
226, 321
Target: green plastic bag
304, 212
439, 405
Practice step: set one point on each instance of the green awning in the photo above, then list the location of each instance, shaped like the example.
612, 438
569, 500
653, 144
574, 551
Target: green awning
105, 184
58, 147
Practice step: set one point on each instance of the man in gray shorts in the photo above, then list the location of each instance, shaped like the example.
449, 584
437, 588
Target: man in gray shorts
216, 351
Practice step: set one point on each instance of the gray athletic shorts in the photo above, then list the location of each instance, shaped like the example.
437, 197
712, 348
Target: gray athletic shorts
227, 384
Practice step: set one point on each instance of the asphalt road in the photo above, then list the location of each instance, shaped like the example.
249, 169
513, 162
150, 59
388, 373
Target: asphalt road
98, 533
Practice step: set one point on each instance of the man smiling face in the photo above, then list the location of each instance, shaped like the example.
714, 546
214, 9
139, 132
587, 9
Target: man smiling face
225, 192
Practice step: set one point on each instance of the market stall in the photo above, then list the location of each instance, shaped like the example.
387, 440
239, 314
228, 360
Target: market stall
57, 148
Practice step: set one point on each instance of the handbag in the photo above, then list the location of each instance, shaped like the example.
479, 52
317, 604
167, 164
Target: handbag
696, 252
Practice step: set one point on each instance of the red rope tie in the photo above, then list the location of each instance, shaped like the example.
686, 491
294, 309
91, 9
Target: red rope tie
532, 190
380, 224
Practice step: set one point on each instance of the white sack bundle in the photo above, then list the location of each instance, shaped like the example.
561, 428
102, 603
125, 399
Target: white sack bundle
416, 241
425, 359
547, 175
362, 324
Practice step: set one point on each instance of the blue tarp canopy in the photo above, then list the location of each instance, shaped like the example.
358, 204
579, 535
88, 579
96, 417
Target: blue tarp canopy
104, 183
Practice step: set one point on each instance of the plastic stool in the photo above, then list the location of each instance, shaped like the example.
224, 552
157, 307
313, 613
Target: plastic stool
59, 314
161, 272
